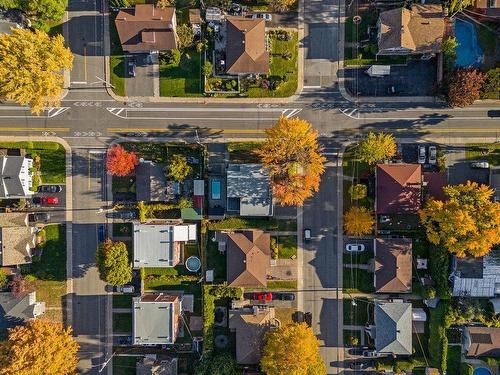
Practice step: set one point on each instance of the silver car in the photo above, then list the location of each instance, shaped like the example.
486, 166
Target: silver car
354, 248
421, 154
480, 165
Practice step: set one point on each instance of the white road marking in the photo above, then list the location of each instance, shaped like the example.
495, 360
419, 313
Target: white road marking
79, 83
49, 112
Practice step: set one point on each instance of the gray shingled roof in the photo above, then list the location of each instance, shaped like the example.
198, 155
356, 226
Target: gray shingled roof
393, 322
250, 184
15, 181
15, 311
151, 182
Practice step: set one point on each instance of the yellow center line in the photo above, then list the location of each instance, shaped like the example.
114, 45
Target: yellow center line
30, 129
163, 130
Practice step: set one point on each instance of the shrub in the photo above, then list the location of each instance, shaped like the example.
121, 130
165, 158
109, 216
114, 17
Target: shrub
466, 369
208, 69
438, 342
464, 87
4, 279
119, 4
439, 264
491, 88
358, 191
274, 248
448, 47
171, 57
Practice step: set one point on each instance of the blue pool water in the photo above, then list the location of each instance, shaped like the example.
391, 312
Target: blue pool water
215, 189
482, 371
193, 264
469, 53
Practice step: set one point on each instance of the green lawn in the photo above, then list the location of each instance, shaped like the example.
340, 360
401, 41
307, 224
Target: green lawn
116, 59
124, 184
122, 229
348, 335
279, 68
287, 246
50, 271
281, 284
215, 260
52, 155
183, 79
122, 301
358, 258
357, 281
352, 166
356, 315
243, 152
483, 151
122, 323
124, 365
270, 224
454, 359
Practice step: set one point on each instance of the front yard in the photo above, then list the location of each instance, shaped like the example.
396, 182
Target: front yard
49, 272
183, 79
357, 281
243, 152
122, 323
287, 246
483, 151
116, 59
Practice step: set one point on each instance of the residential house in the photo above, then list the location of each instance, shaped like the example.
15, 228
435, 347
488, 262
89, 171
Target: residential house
150, 366
250, 326
490, 9
495, 182
481, 342
12, 19
417, 31
477, 277
18, 239
15, 174
433, 184
155, 319
248, 190
393, 265
147, 29
248, 257
151, 182
15, 311
159, 245
393, 328
246, 51
399, 188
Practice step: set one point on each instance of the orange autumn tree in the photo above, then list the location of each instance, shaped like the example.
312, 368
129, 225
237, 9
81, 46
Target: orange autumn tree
120, 162
39, 347
292, 349
467, 223
292, 156
358, 221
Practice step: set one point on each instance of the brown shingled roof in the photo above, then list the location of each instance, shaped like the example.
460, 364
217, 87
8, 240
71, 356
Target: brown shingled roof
393, 265
146, 28
246, 46
399, 188
248, 258
419, 30
17, 239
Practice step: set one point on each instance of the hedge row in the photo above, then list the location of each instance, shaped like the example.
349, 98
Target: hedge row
30, 145
438, 342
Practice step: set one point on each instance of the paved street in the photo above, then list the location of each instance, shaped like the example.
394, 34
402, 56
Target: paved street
320, 276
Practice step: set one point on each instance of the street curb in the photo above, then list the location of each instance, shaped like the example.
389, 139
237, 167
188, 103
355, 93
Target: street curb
340, 254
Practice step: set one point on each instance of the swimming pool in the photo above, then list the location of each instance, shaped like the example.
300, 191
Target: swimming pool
216, 187
482, 371
469, 53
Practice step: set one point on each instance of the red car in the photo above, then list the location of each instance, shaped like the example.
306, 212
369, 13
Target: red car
50, 200
263, 296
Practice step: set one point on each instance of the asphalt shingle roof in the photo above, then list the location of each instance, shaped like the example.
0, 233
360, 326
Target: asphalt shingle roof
393, 321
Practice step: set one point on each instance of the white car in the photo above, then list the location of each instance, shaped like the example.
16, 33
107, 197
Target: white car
369, 353
432, 155
480, 165
265, 16
421, 154
124, 289
354, 248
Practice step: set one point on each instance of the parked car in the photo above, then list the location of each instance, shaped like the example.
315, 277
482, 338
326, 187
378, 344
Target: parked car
265, 16
357, 351
355, 248
421, 154
432, 155
124, 289
307, 235
383, 219
37, 217
131, 68
263, 296
369, 353
283, 296
50, 188
308, 318
45, 200
358, 365
480, 165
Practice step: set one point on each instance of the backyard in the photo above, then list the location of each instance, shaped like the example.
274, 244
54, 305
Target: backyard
270, 224
48, 273
183, 79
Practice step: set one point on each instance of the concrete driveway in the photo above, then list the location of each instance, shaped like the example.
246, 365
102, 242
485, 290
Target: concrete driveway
144, 81
459, 169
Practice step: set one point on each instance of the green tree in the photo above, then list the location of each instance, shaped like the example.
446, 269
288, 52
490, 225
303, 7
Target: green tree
292, 349
456, 6
31, 69
208, 69
4, 280
185, 36
165, 3
44, 11
171, 57
376, 147
448, 48
179, 168
491, 88
358, 191
113, 264
220, 364
281, 5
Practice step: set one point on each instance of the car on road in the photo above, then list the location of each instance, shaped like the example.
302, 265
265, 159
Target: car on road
124, 289
369, 353
283, 297
263, 296
421, 154
480, 165
357, 351
354, 248
131, 68
361, 365
265, 16
39, 217
307, 234
432, 155
50, 188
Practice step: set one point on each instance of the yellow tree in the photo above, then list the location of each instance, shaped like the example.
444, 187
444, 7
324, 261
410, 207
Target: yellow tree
292, 155
292, 349
467, 223
281, 5
39, 347
31, 68
376, 147
358, 221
